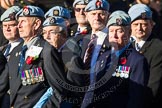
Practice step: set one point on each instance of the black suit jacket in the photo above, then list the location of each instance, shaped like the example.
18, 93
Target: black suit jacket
152, 51
117, 91
27, 96
3, 61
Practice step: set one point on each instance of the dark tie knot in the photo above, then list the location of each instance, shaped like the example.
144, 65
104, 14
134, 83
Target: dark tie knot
93, 36
138, 47
92, 41
24, 48
9, 45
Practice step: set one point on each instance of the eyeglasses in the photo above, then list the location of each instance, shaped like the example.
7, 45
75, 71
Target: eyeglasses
5, 26
51, 33
79, 9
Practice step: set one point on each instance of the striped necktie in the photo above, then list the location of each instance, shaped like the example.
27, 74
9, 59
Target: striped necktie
89, 51
7, 50
90, 93
22, 56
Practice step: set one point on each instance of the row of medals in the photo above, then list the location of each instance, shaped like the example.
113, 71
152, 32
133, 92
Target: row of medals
122, 71
32, 76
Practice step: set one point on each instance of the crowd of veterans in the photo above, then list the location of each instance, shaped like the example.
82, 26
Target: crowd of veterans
101, 58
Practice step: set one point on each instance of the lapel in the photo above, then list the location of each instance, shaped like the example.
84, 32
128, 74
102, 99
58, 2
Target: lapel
146, 45
14, 61
3, 48
105, 47
73, 29
133, 44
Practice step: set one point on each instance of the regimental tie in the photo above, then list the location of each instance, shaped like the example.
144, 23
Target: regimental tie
22, 56
89, 52
137, 47
7, 50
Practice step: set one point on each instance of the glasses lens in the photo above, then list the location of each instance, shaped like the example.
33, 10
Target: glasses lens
79, 9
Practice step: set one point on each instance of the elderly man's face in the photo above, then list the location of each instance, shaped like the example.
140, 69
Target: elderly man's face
10, 30
97, 19
28, 27
119, 36
53, 35
141, 29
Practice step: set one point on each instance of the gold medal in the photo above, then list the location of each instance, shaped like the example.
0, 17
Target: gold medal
117, 74
28, 77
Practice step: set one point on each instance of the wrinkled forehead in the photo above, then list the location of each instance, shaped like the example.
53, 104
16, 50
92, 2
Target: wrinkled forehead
26, 18
80, 6
98, 12
141, 21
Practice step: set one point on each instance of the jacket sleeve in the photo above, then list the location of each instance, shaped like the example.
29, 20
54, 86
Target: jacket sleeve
4, 80
139, 93
155, 72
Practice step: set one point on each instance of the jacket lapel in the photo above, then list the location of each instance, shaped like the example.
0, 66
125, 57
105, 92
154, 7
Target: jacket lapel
15, 76
146, 45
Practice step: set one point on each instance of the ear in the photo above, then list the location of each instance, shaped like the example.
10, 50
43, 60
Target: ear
152, 23
37, 24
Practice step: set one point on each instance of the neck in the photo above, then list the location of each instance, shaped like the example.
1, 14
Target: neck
14, 40
96, 30
28, 39
83, 25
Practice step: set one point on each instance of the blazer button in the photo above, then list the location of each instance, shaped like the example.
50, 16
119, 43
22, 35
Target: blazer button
9, 77
25, 97
140, 52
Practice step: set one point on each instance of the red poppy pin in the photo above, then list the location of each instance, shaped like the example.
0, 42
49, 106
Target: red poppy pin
30, 59
98, 4
12, 16
123, 60
26, 11
85, 31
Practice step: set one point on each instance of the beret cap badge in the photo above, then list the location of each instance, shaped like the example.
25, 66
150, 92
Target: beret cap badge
51, 20
56, 12
98, 4
86, 1
12, 16
119, 21
26, 11
143, 15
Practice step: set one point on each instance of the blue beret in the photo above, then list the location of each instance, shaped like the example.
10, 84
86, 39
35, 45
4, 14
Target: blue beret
119, 18
10, 13
30, 11
97, 5
58, 11
80, 2
54, 21
140, 11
